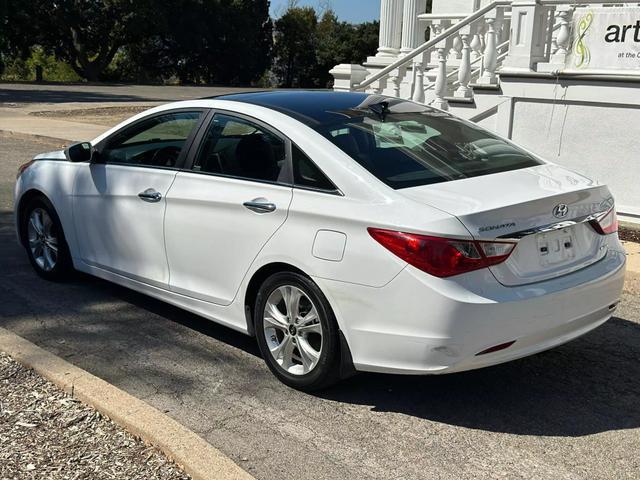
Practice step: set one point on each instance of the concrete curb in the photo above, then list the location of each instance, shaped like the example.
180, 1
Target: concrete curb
633, 256
197, 457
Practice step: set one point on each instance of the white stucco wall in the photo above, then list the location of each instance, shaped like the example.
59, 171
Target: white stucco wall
601, 141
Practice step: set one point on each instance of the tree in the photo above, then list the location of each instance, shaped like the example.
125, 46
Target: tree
305, 49
295, 48
17, 30
364, 41
87, 34
342, 42
212, 41
333, 39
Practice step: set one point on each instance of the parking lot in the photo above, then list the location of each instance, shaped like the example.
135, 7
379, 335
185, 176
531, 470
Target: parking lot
573, 412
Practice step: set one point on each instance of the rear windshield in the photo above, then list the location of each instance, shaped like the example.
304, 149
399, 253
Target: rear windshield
405, 144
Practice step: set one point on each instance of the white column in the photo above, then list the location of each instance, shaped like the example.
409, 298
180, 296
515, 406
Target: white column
410, 28
390, 28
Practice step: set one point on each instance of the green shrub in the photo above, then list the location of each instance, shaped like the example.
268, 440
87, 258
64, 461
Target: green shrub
53, 70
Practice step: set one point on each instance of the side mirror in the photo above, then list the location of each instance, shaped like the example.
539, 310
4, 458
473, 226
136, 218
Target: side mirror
79, 152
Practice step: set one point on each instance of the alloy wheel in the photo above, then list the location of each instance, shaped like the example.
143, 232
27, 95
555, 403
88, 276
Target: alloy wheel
293, 330
43, 241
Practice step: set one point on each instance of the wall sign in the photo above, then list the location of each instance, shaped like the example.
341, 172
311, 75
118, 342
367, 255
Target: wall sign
605, 39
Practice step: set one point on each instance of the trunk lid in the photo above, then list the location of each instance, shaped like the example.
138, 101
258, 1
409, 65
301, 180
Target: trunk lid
523, 204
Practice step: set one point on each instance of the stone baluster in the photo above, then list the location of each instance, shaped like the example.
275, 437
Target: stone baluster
440, 87
377, 87
476, 46
493, 21
564, 14
418, 85
464, 71
456, 47
396, 79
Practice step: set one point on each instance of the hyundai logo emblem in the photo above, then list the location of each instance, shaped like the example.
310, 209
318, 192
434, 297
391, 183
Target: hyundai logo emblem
560, 210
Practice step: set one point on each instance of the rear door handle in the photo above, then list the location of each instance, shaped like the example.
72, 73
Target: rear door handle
150, 195
260, 205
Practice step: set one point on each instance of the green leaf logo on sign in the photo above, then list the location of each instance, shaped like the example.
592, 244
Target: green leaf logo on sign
581, 50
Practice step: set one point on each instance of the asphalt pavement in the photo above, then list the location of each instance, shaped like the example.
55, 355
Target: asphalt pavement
26, 93
573, 412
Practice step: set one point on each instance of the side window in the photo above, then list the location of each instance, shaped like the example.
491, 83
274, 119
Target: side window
155, 142
307, 174
239, 148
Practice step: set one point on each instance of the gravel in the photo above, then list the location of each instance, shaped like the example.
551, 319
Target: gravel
629, 234
47, 434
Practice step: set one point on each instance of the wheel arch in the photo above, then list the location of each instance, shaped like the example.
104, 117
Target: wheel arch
22, 204
347, 367
257, 279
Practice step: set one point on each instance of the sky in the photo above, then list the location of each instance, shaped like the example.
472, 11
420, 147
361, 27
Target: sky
353, 11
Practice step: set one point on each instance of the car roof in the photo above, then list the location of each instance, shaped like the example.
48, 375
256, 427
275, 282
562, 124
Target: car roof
311, 107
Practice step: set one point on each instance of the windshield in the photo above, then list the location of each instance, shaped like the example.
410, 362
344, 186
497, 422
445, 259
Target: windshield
405, 144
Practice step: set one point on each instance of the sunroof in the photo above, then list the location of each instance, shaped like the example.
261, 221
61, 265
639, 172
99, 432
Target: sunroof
312, 107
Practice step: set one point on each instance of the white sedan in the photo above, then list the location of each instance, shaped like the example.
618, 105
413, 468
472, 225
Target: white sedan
345, 231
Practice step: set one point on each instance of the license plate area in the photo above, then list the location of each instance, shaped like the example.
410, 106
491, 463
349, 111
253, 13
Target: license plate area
556, 247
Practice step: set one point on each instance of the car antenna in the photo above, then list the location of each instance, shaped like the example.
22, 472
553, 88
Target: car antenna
380, 109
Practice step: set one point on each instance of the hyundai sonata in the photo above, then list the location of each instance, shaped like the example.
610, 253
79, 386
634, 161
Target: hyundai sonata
345, 231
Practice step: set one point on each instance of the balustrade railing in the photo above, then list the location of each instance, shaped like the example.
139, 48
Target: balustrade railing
468, 51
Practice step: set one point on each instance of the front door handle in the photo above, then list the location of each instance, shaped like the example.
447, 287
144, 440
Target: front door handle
260, 205
150, 195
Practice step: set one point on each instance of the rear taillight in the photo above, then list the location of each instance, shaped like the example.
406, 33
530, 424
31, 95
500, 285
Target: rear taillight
607, 223
442, 257
23, 167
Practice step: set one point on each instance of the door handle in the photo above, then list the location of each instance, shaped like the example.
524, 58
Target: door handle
260, 205
150, 195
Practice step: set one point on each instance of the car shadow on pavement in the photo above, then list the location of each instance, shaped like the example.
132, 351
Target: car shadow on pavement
584, 387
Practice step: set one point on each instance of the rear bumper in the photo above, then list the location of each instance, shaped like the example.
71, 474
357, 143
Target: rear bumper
418, 324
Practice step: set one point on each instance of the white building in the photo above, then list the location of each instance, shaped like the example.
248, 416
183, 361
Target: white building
561, 78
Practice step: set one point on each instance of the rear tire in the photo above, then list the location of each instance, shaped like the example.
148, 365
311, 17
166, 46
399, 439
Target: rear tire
44, 240
297, 332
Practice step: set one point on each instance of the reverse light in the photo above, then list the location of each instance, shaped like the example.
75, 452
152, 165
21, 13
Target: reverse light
440, 256
607, 223
23, 167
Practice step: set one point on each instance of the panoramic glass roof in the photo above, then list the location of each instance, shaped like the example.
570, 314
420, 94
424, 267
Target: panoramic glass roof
312, 107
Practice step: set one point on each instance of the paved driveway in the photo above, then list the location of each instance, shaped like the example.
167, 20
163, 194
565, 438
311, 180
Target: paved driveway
570, 413
25, 93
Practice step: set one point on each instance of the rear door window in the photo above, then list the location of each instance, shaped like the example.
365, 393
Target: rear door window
237, 147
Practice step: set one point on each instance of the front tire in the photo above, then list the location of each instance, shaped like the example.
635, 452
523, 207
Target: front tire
44, 240
297, 332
